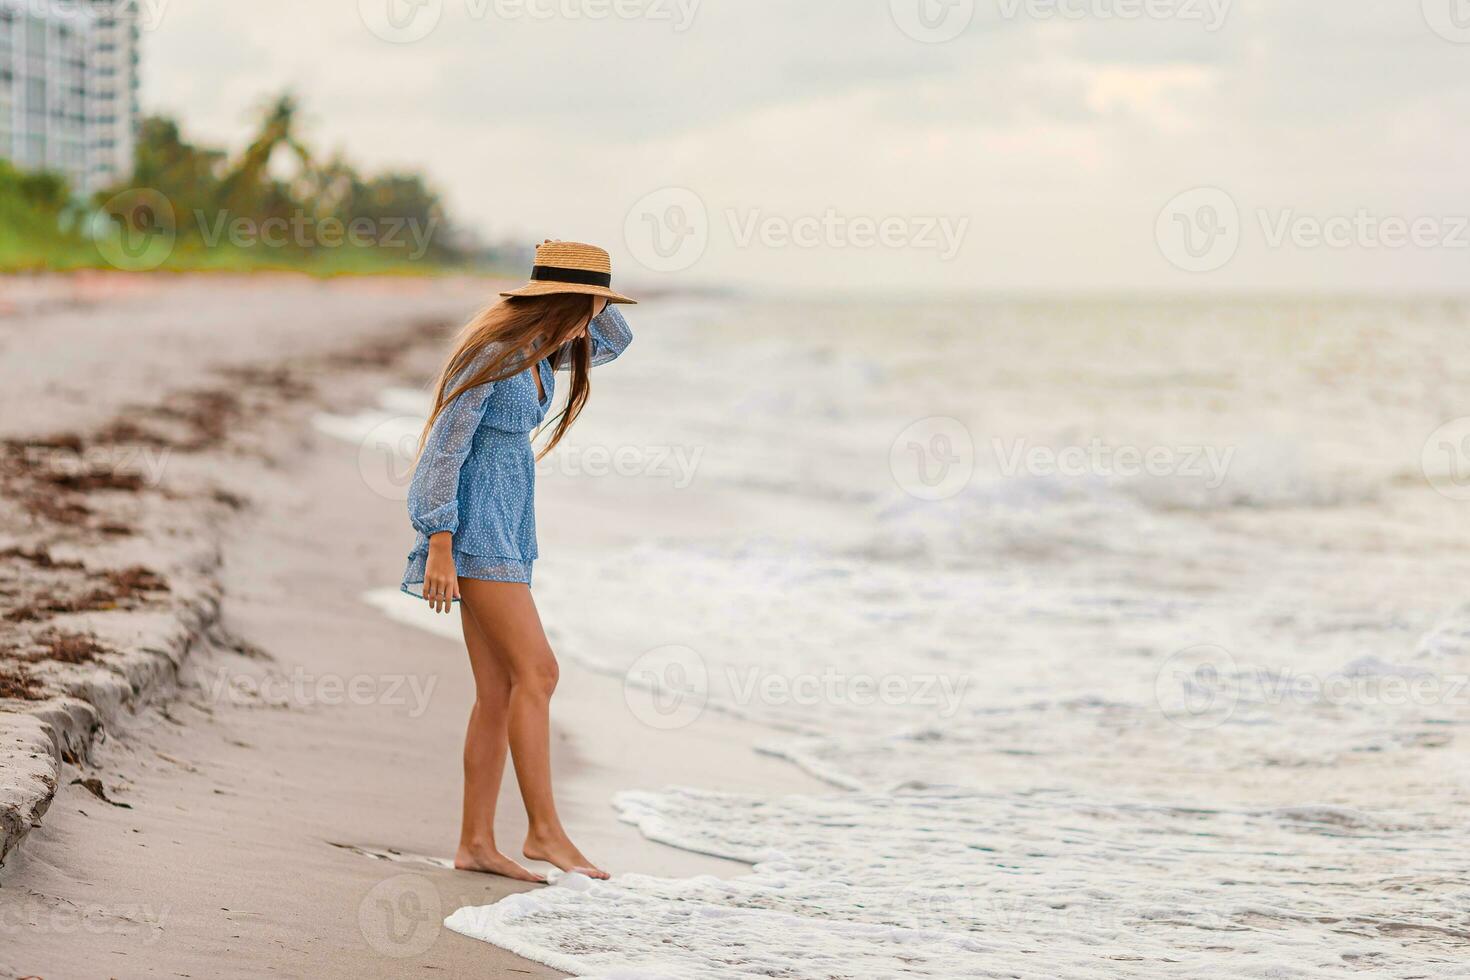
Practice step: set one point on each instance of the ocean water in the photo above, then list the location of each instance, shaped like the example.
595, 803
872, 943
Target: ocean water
1133, 637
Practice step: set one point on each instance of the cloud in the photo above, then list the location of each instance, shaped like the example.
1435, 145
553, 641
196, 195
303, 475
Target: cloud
1058, 139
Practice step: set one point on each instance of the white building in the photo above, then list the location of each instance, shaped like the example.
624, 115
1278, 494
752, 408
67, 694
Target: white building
69, 88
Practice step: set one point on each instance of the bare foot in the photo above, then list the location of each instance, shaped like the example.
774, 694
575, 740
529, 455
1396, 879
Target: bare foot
492, 862
558, 850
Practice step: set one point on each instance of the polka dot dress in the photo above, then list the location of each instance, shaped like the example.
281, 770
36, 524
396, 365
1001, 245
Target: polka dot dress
476, 477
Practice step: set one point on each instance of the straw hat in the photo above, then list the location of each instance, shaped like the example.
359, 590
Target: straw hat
570, 267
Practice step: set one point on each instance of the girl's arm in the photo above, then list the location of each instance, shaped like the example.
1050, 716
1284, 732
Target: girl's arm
433, 496
609, 335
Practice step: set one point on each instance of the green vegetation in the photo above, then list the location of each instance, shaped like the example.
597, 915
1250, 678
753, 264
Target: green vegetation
276, 206
33, 216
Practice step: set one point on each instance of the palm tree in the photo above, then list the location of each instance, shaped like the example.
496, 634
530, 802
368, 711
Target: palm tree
249, 180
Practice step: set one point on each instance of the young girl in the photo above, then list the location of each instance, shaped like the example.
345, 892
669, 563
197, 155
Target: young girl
472, 503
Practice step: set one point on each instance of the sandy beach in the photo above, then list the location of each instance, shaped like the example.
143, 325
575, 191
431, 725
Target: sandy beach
281, 792
1099, 722
1005, 539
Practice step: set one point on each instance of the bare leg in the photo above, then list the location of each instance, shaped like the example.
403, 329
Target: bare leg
484, 760
507, 617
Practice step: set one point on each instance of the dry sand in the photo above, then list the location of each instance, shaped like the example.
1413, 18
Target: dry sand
306, 737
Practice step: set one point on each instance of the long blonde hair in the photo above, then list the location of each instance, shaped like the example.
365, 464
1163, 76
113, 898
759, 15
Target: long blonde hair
526, 330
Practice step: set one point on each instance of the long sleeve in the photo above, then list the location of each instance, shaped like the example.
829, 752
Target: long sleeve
433, 496
610, 335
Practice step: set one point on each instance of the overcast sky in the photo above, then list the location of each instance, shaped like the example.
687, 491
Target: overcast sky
887, 144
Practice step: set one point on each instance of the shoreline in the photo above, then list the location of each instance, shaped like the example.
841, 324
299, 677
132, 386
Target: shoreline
250, 800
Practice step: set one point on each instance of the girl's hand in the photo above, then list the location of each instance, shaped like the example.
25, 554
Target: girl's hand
441, 581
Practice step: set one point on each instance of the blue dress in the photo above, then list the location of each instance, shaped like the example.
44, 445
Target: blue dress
476, 476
